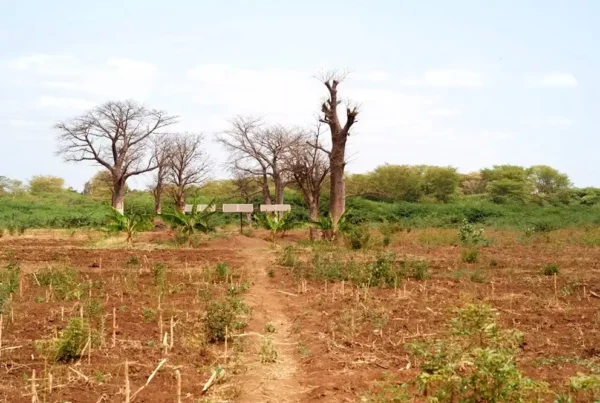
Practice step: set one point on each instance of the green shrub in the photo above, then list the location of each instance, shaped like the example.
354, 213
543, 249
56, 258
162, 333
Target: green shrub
224, 315
383, 270
159, 272
328, 267
416, 269
550, 269
64, 282
222, 270
72, 340
149, 315
288, 257
469, 235
9, 283
476, 363
470, 255
358, 237
219, 317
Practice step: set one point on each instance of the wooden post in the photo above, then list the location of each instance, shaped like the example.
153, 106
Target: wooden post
34, 397
114, 336
127, 387
1, 324
171, 330
178, 377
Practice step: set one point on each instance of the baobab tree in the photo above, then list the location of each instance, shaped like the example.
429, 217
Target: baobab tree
189, 166
259, 150
309, 167
163, 150
116, 135
339, 136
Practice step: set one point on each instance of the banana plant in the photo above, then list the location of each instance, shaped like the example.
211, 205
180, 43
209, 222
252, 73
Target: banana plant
130, 224
325, 224
196, 221
276, 223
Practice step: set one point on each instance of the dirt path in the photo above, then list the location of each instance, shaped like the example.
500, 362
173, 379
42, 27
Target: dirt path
268, 382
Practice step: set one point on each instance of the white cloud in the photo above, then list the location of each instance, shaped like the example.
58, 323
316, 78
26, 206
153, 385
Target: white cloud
445, 78
63, 103
555, 80
375, 76
446, 112
552, 121
495, 135
114, 78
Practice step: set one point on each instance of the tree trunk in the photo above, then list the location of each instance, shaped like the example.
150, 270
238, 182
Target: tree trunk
158, 201
279, 187
180, 202
118, 196
265, 188
313, 214
337, 194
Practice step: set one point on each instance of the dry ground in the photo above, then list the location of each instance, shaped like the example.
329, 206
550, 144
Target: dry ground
334, 342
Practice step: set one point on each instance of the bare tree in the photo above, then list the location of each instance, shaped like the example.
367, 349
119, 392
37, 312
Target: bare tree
259, 150
246, 186
339, 136
309, 166
116, 135
189, 166
163, 150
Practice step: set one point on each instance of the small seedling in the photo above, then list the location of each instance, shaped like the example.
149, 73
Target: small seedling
550, 269
470, 255
268, 353
271, 272
270, 328
222, 270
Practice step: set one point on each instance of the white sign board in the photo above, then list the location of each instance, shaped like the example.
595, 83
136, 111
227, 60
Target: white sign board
275, 207
238, 208
199, 207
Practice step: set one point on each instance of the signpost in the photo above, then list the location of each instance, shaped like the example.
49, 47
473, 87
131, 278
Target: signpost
239, 208
199, 207
275, 207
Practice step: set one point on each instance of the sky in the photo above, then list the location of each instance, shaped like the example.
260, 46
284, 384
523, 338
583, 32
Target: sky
468, 84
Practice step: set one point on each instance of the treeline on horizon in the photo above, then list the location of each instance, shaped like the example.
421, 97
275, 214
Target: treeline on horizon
504, 196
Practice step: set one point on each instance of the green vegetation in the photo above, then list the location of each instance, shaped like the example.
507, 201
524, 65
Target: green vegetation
477, 362
550, 269
539, 199
9, 283
69, 346
222, 317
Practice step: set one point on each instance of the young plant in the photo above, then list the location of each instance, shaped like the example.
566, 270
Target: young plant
69, 346
475, 363
276, 223
550, 269
129, 224
187, 225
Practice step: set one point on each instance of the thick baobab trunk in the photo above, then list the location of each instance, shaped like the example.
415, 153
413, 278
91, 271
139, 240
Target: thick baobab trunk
180, 202
265, 188
279, 187
158, 202
313, 214
337, 198
118, 196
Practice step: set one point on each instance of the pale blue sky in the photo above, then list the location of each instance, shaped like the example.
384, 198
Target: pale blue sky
462, 83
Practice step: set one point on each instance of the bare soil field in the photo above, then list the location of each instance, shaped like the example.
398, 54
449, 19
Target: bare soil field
290, 335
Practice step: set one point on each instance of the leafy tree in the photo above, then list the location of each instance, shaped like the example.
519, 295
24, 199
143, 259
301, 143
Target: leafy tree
396, 182
440, 182
547, 180
471, 183
46, 184
12, 186
507, 183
